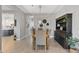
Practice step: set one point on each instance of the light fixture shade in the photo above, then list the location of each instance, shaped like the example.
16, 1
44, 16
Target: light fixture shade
47, 24
41, 25
44, 21
39, 22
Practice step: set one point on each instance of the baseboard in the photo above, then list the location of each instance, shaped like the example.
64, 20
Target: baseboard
25, 37
51, 37
17, 39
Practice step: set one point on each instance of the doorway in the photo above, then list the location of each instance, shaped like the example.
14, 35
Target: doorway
7, 31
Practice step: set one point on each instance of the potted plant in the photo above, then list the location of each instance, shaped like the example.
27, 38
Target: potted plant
72, 42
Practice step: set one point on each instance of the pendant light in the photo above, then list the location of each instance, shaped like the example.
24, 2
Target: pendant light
40, 13
41, 25
32, 12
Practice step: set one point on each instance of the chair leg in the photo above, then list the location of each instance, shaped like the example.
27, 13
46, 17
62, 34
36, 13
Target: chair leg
34, 43
46, 43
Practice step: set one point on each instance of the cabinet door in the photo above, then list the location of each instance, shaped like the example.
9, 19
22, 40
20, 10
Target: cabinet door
69, 24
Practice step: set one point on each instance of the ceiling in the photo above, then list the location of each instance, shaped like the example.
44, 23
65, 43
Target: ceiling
35, 9
7, 8
45, 9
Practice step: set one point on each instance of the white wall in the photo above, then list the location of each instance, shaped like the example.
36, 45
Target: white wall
74, 9
20, 28
0, 26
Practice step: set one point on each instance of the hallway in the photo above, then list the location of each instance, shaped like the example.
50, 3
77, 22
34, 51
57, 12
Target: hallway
23, 46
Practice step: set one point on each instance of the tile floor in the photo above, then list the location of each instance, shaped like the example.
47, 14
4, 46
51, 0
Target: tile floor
24, 46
